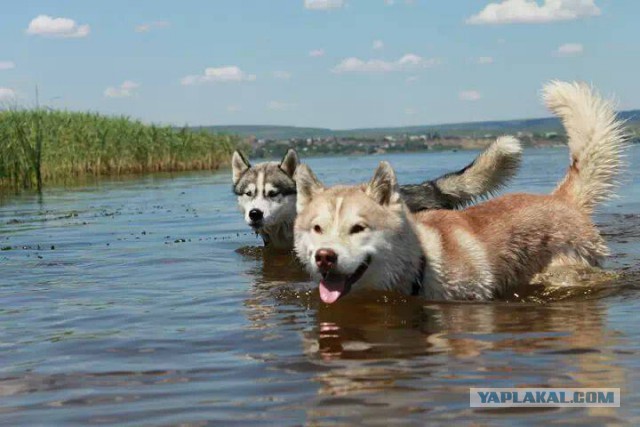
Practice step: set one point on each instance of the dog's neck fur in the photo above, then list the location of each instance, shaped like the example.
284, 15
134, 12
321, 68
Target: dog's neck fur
280, 234
430, 247
416, 257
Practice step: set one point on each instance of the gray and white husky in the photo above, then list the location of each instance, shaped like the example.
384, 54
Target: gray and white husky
267, 191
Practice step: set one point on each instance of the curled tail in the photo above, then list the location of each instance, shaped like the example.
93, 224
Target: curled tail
488, 172
596, 143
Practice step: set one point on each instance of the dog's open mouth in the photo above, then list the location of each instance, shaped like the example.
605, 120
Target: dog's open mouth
335, 285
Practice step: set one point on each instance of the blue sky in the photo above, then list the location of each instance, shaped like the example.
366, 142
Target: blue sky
328, 63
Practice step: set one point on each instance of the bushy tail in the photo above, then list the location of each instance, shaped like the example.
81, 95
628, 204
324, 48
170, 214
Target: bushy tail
489, 172
596, 143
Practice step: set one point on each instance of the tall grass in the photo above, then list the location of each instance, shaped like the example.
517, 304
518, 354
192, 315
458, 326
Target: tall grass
39, 146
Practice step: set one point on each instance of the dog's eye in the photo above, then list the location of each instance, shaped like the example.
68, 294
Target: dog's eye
317, 229
248, 194
357, 229
272, 193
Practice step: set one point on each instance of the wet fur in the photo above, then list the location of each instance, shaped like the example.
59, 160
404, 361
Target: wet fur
253, 186
483, 251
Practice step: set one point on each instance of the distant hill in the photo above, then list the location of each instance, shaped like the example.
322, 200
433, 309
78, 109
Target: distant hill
268, 132
549, 124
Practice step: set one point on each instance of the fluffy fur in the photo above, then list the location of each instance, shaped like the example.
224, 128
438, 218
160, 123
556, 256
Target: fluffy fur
487, 174
490, 171
478, 253
267, 188
596, 142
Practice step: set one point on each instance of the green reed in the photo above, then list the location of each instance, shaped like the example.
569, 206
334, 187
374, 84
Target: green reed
41, 145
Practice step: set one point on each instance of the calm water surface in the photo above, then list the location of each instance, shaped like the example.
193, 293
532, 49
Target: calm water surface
147, 301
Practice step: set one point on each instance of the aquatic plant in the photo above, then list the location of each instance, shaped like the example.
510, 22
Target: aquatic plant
42, 145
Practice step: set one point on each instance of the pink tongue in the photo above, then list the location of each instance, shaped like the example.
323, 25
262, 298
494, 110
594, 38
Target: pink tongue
330, 292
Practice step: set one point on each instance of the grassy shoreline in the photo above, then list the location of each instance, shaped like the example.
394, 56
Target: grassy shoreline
38, 146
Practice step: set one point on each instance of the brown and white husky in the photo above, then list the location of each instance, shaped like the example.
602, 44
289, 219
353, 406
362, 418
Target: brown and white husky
357, 238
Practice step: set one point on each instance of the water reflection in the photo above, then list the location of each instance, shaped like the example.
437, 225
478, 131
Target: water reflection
273, 266
407, 356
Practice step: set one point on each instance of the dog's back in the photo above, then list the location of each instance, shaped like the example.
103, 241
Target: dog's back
490, 248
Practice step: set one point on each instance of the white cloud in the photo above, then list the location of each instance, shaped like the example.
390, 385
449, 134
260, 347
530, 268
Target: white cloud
7, 65
570, 49
227, 74
323, 4
7, 94
316, 53
531, 12
392, 2
407, 62
485, 60
409, 111
234, 108
142, 28
155, 25
378, 44
280, 106
125, 90
282, 75
469, 95
44, 25
411, 79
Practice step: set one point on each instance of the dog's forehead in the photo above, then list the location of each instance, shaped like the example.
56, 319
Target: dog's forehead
277, 178
248, 178
347, 203
350, 194
265, 173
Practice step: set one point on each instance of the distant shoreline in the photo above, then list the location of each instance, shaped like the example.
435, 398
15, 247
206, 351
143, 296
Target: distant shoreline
461, 129
393, 153
313, 147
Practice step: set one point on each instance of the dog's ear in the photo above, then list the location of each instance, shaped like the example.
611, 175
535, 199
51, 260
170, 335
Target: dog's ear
238, 165
383, 187
290, 162
307, 185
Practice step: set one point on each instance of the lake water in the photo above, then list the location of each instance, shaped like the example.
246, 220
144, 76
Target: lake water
147, 301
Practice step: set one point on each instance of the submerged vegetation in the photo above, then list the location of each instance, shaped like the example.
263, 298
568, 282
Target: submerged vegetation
39, 146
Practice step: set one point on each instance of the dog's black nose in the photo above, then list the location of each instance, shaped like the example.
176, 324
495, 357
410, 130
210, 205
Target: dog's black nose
255, 215
326, 259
